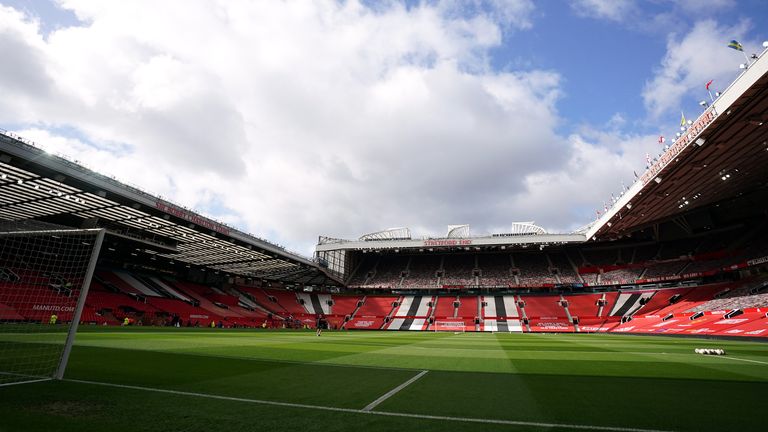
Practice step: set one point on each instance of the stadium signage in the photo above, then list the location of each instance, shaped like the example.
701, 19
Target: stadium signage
365, 324
552, 325
679, 145
448, 242
191, 217
53, 308
758, 261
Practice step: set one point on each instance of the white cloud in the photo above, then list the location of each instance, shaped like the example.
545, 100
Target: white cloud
510, 14
594, 171
691, 61
654, 18
704, 7
296, 119
612, 10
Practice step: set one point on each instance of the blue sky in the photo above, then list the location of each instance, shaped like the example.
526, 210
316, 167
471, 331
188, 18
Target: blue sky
297, 119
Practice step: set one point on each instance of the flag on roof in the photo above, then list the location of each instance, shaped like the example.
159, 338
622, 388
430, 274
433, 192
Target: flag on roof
682, 119
661, 139
648, 159
708, 84
736, 45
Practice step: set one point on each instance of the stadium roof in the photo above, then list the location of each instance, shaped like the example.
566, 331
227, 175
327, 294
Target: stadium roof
35, 185
723, 154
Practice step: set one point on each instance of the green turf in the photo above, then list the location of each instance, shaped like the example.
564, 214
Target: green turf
645, 382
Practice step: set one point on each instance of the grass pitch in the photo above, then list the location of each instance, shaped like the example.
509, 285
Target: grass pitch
143, 379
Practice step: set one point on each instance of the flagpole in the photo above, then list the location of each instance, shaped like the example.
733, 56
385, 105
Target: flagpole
746, 57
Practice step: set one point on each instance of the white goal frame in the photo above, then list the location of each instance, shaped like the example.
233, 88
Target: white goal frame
98, 238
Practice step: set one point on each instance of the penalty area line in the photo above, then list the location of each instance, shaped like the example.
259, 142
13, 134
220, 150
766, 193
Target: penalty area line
377, 413
392, 392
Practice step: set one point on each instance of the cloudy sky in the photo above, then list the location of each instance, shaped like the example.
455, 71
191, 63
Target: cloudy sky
293, 119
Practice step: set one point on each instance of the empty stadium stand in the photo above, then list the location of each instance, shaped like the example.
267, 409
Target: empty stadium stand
725, 309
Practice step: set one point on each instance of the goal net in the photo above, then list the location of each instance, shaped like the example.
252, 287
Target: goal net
44, 279
449, 326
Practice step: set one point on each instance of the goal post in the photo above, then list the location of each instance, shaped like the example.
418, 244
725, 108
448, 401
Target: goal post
44, 280
455, 326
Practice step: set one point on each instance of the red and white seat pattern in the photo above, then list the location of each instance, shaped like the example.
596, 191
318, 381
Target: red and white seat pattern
500, 313
412, 313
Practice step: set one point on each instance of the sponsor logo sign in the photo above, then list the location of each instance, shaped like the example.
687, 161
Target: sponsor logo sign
664, 323
363, 324
731, 321
702, 330
552, 325
53, 308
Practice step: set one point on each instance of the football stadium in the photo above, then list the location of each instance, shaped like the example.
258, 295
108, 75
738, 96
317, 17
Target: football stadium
121, 310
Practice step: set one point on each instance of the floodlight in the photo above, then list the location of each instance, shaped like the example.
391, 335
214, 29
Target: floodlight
765, 44
743, 66
703, 103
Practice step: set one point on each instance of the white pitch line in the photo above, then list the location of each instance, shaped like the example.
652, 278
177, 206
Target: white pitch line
26, 382
742, 359
392, 392
379, 413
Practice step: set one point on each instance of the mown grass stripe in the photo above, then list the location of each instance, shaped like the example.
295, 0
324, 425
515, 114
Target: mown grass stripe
379, 413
